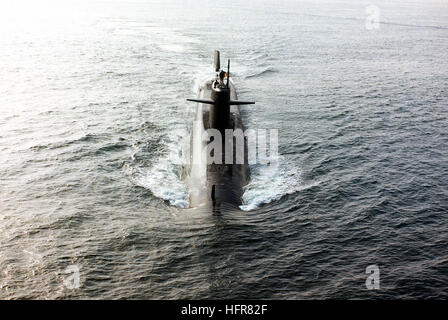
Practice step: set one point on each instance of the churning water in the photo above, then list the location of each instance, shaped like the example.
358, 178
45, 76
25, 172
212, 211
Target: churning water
92, 101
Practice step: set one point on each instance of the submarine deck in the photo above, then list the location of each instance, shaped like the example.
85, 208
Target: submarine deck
224, 181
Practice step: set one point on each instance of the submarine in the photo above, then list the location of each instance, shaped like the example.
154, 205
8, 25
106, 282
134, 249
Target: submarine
218, 182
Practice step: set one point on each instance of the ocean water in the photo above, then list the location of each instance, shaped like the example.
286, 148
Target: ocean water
92, 101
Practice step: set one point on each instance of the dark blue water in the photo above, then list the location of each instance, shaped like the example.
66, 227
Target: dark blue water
93, 94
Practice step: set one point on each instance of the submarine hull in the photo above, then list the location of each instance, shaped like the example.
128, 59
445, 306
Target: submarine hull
215, 184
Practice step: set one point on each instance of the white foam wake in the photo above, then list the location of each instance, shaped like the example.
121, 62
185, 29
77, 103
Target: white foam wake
270, 183
164, 177
164, 182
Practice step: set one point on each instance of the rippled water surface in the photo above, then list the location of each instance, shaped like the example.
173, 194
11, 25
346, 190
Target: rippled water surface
92, 100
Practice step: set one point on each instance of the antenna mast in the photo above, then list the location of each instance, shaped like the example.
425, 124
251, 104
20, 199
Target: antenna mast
228, 72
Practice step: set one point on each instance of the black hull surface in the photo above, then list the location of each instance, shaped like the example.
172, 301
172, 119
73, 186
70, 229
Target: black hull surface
215, 184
